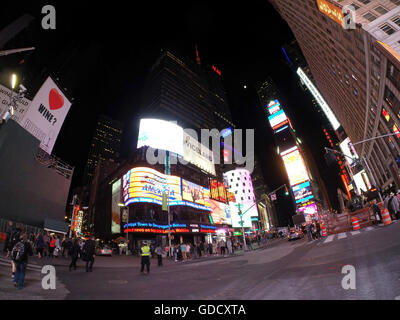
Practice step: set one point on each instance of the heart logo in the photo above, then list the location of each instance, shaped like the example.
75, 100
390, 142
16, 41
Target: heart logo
56, 100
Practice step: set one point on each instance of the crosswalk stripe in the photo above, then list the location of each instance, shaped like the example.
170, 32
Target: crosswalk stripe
369, 229
330, 238
342, 235
355, 232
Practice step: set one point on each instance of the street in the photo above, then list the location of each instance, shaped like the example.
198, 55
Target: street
282, 270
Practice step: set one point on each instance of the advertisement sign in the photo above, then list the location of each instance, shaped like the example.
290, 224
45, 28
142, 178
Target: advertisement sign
151, 227
165, 135
361, 181
148, 185
197, 154
321, 101
295, 167
218, 190
195, 193
273, 107
115, 209
302, 192
20, 105
160, 134
349, 153
330, 10
46, 114
220, 213
309, 209
277, 119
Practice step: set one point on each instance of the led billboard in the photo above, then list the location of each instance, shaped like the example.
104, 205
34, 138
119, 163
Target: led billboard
325, 107
160, 134
115, 209
218, 190
220, 213
361, 181
148, 185
277, 119
332, 11
302, 192
273, 107
165, 135
295, 167
350, 153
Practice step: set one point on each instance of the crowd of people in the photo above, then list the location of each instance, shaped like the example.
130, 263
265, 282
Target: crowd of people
19, 246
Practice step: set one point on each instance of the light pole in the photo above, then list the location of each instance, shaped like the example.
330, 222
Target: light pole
241, 222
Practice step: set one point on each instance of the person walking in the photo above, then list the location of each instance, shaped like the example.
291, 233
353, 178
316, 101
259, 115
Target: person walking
46, 239
308, 230
187, 249
15, 238
183, 250
39, 245
67, 247
393, 206
145, 256
88, 251
229, 246
52, 247
159, 252
74, 252
9, 232
19, 254
377, 210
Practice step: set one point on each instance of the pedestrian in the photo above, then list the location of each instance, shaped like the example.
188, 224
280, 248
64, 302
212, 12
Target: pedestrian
229, 246
15, 238
9, 232
20, 253
52, 247
377, 210
74, 252
159, 252
46, 239
88, 251
308, 230
222, 248
39, 245
175, 249
67, 247
393, 206
187, 249
202, 249
183, 251
145, 256
212, 248
57, 246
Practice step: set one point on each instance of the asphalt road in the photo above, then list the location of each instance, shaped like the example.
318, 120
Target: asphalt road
284, 271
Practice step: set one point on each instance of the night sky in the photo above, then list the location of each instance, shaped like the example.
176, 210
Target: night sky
101, 53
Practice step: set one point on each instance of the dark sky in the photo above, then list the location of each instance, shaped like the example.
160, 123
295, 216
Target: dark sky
101, 52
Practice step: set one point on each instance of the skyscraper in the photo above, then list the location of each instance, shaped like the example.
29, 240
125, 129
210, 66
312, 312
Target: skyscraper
353, 68
187, 92
105, 145
267, 92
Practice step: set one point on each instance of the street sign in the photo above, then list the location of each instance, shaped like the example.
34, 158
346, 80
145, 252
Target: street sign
164, 202
273, 197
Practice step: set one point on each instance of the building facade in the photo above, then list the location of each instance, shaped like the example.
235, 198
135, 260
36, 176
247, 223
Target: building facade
351, 70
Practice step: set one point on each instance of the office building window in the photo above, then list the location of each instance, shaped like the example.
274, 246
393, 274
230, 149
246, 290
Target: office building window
365, 1
380, 10
388, 29
369, 16
396, 21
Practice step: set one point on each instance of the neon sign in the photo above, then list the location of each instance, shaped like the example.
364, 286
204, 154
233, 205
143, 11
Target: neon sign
216, 70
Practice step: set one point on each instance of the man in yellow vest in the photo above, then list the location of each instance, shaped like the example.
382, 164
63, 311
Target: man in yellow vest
145, 253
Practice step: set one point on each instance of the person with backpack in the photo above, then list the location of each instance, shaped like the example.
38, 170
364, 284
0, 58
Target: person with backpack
88, 252
52, 247
19, 255
74, 252
15, 237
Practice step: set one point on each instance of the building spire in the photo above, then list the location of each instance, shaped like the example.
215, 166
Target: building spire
197, 55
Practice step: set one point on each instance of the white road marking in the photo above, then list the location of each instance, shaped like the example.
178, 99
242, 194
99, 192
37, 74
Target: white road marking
342, 235
369, 229
330, 238
397, 298
355, 232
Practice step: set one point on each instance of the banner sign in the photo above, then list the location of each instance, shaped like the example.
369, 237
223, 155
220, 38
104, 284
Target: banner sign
115, 208
46, 114
20, 105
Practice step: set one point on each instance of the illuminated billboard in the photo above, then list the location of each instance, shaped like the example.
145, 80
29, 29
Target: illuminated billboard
321, 101
220, 213
273, 107
115, 208
195, 193
165, 135
302, 192
218, 190
361, 181
295, 167
331, 11
148, 185
277, 119
350, 153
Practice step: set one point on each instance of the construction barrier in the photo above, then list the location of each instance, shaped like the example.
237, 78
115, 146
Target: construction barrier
324, 232
355, 223
386, 217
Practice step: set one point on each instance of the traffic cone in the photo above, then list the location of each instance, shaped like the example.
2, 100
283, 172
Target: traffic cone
386, 217
355, 223
324, 232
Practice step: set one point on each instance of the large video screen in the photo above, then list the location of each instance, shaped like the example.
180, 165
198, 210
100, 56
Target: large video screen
295, 167
277, 119
195, 193
302, 192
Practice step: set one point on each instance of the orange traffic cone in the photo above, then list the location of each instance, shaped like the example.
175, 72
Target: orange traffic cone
355, 223
324, 232
386, 217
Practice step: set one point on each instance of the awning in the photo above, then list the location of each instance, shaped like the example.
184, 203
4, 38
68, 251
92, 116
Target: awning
57, 226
